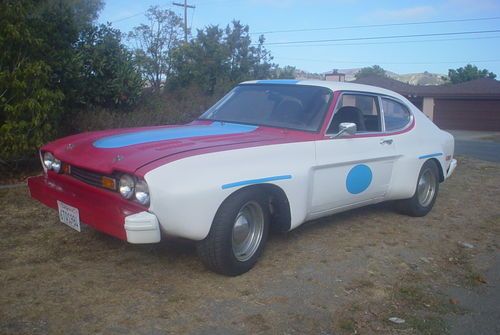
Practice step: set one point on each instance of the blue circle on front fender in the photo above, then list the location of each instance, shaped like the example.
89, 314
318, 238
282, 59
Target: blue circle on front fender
358, 179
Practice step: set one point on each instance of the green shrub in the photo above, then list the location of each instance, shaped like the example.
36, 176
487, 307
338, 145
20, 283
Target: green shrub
29, 112
53, 60
177, 107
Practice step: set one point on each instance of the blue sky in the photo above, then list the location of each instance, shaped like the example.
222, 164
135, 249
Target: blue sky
434, 54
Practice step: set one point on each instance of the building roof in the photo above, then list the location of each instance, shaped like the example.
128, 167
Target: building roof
484, 87
334, 73
389, 83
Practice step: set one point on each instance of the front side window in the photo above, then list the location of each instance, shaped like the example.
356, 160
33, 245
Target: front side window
361, 109
298, 107
396, 115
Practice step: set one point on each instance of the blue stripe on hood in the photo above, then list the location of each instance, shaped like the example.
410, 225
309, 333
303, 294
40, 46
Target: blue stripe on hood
155, 135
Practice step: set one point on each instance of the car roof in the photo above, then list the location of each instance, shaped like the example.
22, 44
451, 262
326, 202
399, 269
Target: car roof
333, 85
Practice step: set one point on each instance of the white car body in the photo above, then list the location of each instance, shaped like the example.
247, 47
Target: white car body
271, 154
186, 193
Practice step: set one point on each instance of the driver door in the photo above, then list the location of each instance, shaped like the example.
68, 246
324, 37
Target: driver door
352, 170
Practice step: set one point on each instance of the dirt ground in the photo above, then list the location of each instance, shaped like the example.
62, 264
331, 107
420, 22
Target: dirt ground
345, 274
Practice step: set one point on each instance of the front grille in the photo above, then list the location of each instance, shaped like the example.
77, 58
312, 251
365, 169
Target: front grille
87, 176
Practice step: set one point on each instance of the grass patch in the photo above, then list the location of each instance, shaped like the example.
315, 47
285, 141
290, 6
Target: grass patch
178, 298
355, 308
431, 325
470, 277
51, 273
347, 326
473, 279
492, 138
422, 308
419, 298
359, 284
245, 293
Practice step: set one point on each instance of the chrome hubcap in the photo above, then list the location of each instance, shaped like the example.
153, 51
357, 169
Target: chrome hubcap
248, 229
426, 188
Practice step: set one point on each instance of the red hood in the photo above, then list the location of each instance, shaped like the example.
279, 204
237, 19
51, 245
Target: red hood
81, 150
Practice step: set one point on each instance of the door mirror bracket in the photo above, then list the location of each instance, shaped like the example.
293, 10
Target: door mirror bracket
346, 129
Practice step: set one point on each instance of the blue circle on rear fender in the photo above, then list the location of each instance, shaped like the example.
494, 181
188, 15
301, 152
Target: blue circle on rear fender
358, 179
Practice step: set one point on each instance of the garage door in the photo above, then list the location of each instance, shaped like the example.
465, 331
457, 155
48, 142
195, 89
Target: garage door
467, 114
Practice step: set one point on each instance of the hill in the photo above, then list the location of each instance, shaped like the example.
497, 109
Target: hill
423, 78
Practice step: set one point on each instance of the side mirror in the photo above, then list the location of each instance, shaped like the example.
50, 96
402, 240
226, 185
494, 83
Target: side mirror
347, 128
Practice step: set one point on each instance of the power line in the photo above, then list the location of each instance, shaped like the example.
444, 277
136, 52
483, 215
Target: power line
136, 14
219, 2
386, 37
128, 17
376, 25
390, 42
388, 63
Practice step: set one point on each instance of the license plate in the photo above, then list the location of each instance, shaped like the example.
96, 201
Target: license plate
69, 215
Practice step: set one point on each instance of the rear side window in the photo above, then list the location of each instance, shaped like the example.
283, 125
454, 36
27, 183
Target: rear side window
361, 109
396, 115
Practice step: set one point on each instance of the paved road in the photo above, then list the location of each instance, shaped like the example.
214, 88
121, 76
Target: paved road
488, 151
477, 144
481, 302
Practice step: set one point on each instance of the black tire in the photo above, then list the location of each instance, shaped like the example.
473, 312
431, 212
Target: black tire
216, 250
413, 206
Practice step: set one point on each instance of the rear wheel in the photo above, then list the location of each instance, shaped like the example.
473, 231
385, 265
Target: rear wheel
426, 192
238, 234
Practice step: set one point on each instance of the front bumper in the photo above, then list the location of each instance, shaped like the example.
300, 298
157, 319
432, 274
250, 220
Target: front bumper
101, 209
142, 227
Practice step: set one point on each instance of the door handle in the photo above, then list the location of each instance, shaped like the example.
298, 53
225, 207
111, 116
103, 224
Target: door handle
386, 141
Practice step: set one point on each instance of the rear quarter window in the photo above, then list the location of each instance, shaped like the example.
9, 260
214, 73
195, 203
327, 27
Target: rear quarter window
396, 115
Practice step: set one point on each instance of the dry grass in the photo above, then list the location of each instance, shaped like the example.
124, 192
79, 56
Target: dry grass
492, 138
343, 274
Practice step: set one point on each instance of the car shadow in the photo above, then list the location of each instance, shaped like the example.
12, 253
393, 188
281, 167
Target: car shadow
174, 248
340, 219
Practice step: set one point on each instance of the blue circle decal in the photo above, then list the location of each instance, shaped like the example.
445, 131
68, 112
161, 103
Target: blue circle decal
358, 179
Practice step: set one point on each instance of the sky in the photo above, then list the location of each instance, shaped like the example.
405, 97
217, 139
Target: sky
338, 22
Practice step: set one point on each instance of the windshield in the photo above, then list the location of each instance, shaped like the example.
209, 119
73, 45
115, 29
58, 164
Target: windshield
298, 107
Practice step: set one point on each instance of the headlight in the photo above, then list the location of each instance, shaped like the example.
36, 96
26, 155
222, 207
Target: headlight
48, 160
142, 192
56, 165
126, 186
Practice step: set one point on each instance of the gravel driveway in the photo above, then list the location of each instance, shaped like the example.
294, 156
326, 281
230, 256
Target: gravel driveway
344, 274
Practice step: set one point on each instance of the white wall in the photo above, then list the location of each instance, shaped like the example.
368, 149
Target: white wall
428, 107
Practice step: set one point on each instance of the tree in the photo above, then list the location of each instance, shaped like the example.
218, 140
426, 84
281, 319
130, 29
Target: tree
218, 58
467, 73
82, 12
286, 72
58, 24
262, 61
53, 60
29, 105
108, 75
154, 44
374, 70
246, 61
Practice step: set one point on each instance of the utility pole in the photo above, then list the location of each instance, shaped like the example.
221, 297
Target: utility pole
186, 6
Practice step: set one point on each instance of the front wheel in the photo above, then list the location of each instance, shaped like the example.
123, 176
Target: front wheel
238, 234
425, 193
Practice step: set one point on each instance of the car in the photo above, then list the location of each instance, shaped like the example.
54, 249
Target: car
270, 155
